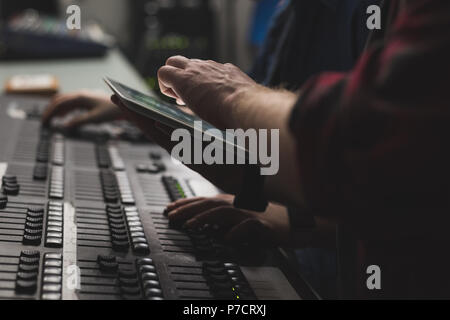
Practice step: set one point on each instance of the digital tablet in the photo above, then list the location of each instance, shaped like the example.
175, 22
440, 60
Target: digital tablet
163, 112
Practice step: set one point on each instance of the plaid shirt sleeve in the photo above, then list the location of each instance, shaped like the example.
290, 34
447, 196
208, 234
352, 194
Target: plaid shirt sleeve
376, 141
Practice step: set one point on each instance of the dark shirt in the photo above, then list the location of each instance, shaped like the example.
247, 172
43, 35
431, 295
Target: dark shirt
373, 150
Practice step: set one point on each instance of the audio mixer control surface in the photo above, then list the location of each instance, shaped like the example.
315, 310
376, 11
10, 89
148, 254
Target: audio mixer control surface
84, 219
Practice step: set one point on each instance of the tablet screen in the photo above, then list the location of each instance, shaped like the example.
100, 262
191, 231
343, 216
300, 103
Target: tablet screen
171, 112
158, 106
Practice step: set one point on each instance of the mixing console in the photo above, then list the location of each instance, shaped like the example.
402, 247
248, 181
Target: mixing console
83, 219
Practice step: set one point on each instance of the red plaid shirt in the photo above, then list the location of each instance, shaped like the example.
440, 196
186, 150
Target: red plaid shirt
373, 144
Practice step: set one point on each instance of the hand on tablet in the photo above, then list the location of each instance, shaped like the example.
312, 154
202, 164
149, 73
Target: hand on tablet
98, 108
234, 225
228, 178
209, 88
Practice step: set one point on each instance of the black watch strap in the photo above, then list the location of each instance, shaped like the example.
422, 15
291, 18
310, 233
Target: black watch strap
252, 195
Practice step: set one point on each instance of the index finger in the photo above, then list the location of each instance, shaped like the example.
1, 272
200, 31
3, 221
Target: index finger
171, 80
177, 62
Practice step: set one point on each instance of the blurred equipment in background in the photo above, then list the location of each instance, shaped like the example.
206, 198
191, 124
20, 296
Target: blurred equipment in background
163, 28
10, 8
262, 18
32, 35
43, 84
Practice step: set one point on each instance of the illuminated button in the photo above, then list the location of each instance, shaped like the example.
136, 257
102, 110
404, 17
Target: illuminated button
151, 284
52, 279
149, 276
147, 268
34, 220
51, 296
55, 218
52, 271
54, 229
144, 261
55, 213
55, 256
55, 223
141, 248
51, 288
52, 242
137, 229
153, 292
137, 234
139, 240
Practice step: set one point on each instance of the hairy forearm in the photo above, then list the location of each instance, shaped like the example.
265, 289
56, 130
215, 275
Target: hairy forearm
260, 107
263, 108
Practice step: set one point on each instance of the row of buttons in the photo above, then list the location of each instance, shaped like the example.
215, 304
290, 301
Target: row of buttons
54, 231
32, 235
10, 186
226, 281
149, 279
102, 154
107, 264
43, 149
173, 188
28, 271
119, 236
126, 194
127, 280
138, 238
109, 186
52, 277
116, 159
58, 150
57, 183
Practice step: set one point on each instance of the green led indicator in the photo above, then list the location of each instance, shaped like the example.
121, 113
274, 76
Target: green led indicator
180, 190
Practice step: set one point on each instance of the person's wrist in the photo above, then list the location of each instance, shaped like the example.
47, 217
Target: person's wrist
237, 111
